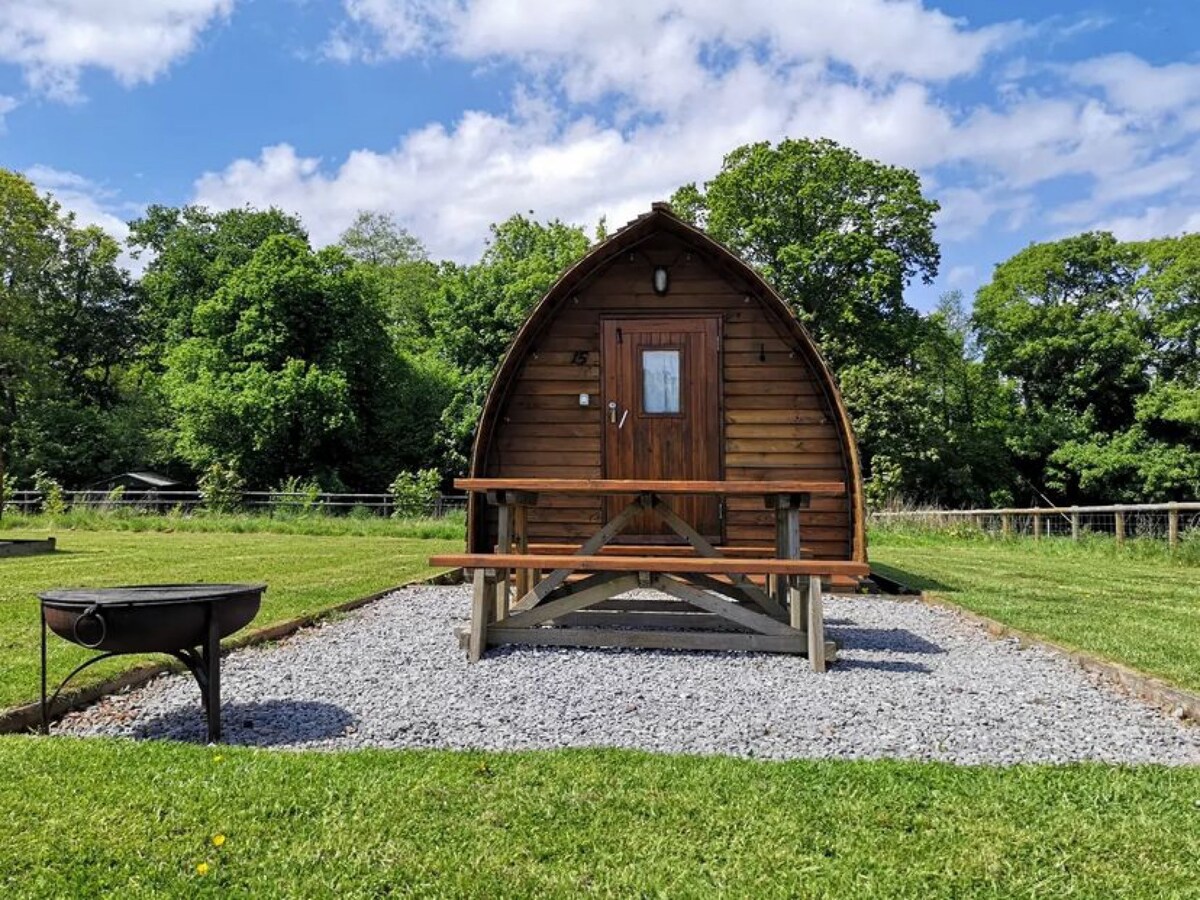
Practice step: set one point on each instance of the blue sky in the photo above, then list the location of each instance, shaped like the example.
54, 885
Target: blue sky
1027, 123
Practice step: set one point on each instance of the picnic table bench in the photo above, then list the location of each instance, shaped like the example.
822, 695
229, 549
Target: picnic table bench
710, 593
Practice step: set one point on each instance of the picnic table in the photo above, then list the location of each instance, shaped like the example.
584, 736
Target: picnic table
711, 591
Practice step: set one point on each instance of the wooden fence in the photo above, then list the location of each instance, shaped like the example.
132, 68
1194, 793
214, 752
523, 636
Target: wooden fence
266, 502
1121, 521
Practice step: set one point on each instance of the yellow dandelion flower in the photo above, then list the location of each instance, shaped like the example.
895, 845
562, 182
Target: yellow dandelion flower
218, 840
202, 868
218, 758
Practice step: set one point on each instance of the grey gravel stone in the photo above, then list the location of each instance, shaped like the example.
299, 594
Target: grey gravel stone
911, 681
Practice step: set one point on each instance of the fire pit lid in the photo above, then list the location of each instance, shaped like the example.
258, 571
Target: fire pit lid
146, 594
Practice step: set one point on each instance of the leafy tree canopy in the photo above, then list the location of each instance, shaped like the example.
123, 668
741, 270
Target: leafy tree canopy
398, 269
839, 235
1099, 340
192, 250
69, 315
288, 371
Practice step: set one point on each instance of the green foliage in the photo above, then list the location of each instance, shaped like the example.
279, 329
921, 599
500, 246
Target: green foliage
840, 236
8, 487
1078, 375
481, 306
295, 496
192, 251
364, 523
69, 317
1098, 339
53, 503
113, 498
289, 371
397, 269
415, 493
221, 487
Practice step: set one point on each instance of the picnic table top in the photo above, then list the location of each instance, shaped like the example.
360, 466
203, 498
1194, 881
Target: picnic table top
635, 486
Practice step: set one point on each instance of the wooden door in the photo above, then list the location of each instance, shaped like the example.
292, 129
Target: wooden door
662, 413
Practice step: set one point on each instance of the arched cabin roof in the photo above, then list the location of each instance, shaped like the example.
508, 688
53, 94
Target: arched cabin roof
662, 220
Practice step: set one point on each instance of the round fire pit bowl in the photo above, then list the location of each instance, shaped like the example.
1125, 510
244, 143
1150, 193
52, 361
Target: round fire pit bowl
186, 621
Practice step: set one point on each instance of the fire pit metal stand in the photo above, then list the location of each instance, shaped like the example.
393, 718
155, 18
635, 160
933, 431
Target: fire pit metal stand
184, 621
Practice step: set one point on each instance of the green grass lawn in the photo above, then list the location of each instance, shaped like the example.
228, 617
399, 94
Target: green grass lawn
1136, 606
97, 817
135, 820
304, 574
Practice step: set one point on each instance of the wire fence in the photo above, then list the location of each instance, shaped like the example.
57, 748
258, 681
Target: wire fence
262, 502
1172, 522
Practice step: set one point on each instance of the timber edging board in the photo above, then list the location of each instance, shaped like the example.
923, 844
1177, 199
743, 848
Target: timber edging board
1149, 688
26, 547
29, 716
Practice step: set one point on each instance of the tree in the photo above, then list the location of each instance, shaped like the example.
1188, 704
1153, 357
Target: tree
398, 269
25, 252
840, 236
288, 371
192, 251
479, 308
932, 431
1098, 339
70, 399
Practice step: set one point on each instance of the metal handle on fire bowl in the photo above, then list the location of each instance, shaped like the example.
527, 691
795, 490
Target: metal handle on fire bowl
92, 612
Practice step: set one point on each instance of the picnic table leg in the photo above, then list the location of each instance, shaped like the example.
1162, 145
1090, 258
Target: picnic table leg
504, 544
481, 610
777, 585
816, 625
593, 544
787, 541
521, 540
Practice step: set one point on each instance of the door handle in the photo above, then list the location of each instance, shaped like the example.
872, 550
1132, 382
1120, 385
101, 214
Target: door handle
624, 416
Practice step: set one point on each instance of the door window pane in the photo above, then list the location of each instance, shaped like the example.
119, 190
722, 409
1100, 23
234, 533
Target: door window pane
660, 381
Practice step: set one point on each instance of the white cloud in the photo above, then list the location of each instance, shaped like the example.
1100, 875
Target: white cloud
7, 105
968, 210
53, 41
448, 184
1154, 221
649, 48
690, 83
1131, 83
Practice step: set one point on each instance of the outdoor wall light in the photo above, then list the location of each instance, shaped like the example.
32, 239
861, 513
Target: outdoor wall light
661, 280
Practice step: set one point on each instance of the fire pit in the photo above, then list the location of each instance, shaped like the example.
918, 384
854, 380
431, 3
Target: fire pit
186, 621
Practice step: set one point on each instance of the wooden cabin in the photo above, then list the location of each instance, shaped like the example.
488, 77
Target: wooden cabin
661, 420
705, 375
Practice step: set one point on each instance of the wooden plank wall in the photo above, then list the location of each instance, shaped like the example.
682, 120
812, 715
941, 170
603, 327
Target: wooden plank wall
777, 422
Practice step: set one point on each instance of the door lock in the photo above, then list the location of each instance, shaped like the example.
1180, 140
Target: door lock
612, 411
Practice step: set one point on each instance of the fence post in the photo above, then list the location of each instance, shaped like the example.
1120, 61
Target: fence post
1173, 525
1037, 526
1006, 524
1074, 523
1119, 526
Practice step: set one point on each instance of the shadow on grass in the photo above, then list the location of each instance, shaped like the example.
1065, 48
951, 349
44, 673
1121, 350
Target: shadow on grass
266, 724
911, 579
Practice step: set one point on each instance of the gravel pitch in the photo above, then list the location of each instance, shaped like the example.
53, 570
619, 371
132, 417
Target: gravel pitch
911, 681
